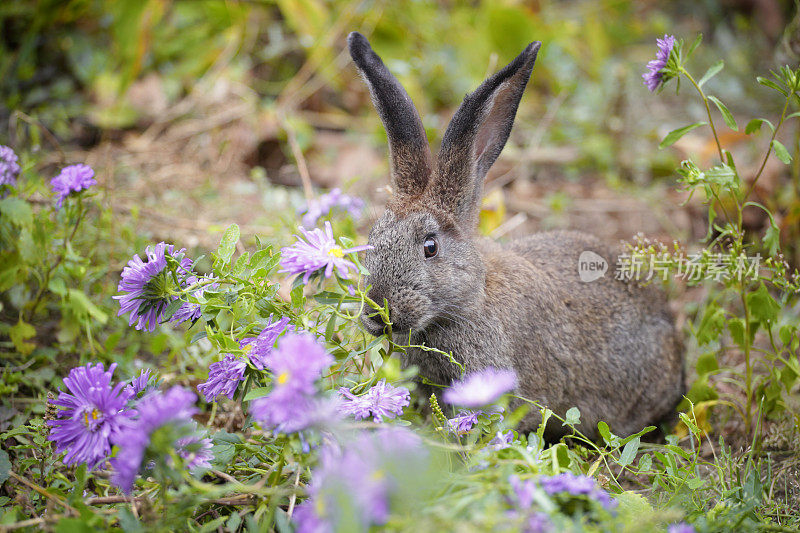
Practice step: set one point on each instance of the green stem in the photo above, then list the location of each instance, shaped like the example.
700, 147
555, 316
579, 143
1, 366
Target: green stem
49, 272
708, 111
769, 146
748, 376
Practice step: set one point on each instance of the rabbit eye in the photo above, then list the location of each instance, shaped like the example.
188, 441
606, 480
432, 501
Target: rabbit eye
431, 247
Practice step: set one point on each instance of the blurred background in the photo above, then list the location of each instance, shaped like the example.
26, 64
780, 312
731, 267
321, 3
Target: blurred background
199, 113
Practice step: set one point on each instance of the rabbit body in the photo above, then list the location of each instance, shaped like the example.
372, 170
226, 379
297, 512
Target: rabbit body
608, 347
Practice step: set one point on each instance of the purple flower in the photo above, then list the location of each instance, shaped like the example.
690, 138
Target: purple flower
286, 411
320, 252
360, 478
502, 440
577, 485
539, 523
523, 491
261, 346
9, 168
195, 451
481, 388
223, 378
308, 519
464, 421
139, 383
680, 527
524, 494
173, 407
297, 363
73, 178
654, 77
380, 401
94, 414
322, 206
189, 310
149, 286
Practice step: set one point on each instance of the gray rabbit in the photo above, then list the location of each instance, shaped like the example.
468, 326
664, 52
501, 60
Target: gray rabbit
608, 347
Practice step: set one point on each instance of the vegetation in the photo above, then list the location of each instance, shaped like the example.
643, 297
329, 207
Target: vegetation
225, 383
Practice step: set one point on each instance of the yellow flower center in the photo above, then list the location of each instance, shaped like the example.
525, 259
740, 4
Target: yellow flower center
247, 348
378, 475
336, 252
95, 416
283, 377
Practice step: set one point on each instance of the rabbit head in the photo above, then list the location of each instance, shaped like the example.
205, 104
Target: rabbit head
425, 263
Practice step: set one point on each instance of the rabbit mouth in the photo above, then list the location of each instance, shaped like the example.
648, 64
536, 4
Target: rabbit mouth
373, 323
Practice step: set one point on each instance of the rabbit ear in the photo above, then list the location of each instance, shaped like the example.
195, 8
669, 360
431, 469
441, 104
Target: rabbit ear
476, 136
409, 152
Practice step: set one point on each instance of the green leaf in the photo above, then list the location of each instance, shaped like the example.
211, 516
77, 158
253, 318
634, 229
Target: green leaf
755, 125
695, 483
16, 211
786, 333
736, 327
5, 466
240, 265
706, 363
771, 84
228, 243
711, 324
629, 452
772, 239
605, 432
573, 417
762, 305
258, 392
82, 304
781, 152
674, 135
19, 334
712, 71
726, 114
695, 44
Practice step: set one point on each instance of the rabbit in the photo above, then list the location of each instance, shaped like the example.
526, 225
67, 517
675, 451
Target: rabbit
608, 347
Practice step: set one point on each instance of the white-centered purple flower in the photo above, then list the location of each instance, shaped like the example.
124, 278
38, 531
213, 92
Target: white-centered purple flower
223, 378
9, 168
148, 286
258, 348
381, 400
481, 388
74, 178
321, 206
654, 77
576, 485
94, 412
319, 252
174, 407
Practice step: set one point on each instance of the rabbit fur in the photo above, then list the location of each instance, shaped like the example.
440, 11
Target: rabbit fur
608, 347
